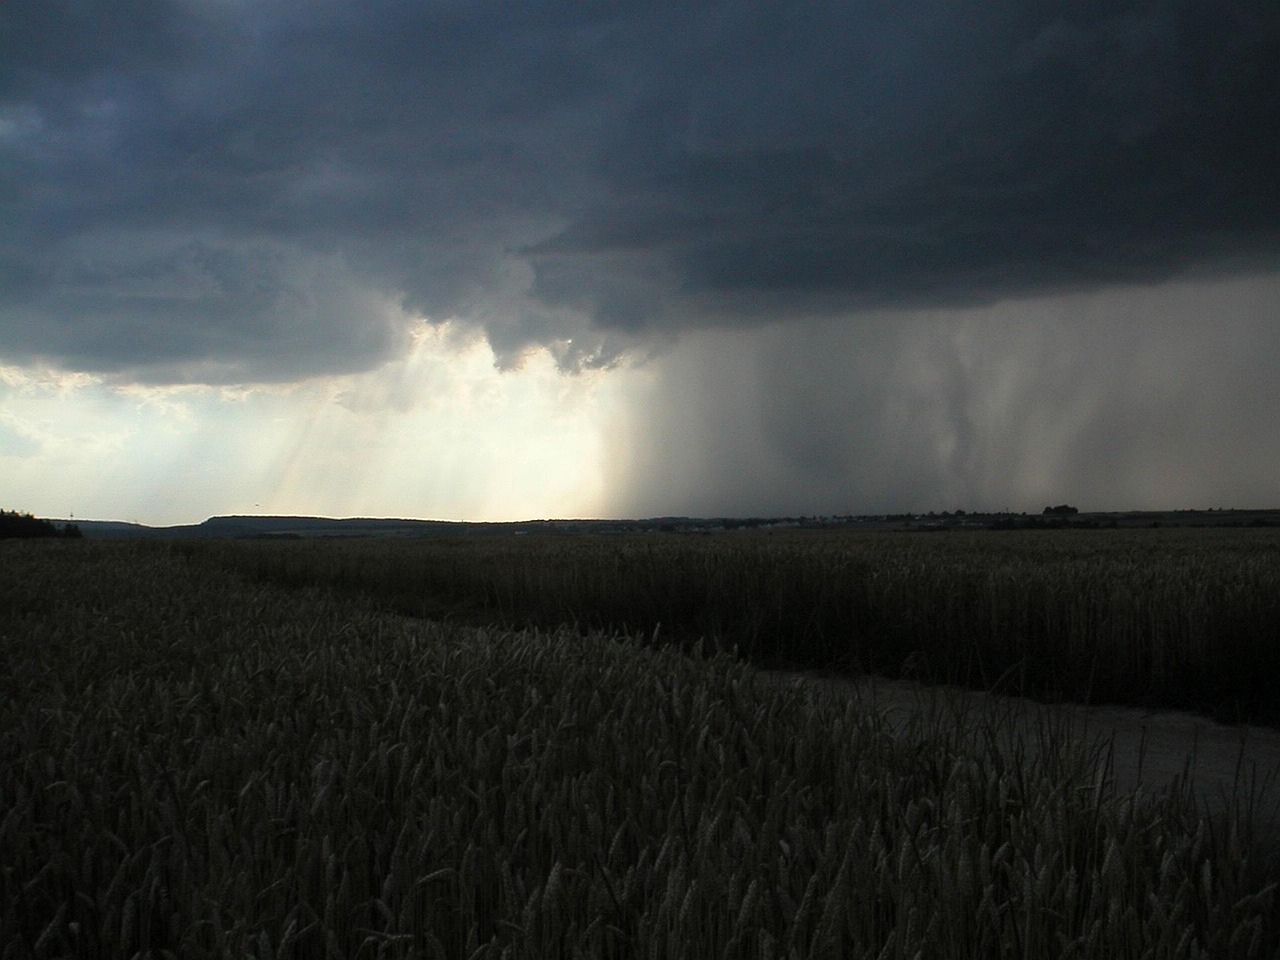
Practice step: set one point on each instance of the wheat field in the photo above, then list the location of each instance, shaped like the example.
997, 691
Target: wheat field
198, 759
1179, 618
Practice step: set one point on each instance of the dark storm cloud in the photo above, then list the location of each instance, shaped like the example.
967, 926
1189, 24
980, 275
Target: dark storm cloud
195, 186
1150, 398
969, 154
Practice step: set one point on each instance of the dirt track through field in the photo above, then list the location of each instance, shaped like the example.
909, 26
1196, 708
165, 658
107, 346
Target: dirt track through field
1148, 748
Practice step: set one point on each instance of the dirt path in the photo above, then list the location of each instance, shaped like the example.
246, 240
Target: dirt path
1149, 748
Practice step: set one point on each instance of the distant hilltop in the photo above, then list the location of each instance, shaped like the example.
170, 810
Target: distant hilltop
300, 528
284, 528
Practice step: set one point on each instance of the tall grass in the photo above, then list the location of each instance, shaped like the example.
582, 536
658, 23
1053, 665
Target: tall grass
196, 764
1185, 618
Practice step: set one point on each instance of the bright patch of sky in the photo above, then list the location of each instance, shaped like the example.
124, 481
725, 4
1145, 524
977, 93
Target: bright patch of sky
437, 433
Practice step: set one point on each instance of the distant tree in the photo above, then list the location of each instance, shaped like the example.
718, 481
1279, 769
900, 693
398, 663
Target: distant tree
1062, 510
15, 525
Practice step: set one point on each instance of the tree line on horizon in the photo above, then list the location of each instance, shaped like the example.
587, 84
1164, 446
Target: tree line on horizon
24, 526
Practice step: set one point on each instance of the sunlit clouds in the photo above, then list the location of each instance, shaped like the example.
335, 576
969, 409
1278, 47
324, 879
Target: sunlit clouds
439, 432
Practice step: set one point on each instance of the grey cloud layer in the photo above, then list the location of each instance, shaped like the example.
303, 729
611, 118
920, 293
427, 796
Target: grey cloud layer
205, 188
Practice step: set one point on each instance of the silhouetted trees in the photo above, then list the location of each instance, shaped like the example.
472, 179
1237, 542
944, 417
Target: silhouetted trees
1062, 510
24, 526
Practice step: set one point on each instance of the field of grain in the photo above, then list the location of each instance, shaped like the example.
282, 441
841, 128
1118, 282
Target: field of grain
1173, 618
210, 751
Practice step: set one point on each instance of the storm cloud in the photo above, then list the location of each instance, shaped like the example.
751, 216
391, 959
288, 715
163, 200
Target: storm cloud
1143, 398
231, 191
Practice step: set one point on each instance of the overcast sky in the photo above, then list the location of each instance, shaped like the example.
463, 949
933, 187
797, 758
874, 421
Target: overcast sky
490, 260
